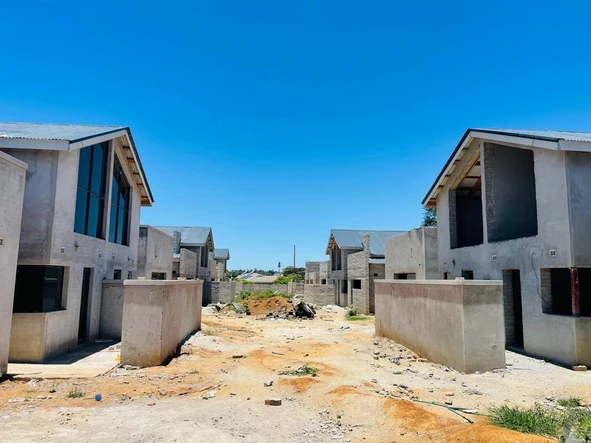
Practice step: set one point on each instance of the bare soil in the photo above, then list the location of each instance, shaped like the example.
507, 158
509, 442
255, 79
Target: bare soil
366, 390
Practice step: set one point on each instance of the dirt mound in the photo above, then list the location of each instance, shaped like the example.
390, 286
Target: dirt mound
274, 304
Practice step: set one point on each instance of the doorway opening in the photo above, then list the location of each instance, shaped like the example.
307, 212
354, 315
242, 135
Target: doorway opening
512, 308
84, 300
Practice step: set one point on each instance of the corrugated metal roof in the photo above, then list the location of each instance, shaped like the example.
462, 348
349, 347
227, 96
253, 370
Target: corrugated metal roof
377, 261
53, 131
351, 239
190, 235
221, 254
542, 134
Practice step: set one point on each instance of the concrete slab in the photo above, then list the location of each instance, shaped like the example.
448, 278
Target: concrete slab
83, 362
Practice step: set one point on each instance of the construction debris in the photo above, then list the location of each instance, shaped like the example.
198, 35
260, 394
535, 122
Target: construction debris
273, 402
273, 308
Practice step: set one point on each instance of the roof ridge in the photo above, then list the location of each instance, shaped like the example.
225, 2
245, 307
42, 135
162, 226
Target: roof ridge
62, 124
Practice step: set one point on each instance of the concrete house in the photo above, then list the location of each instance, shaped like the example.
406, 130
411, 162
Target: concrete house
12, 191
357, 258
84, 189
316, 272
155, 254
196, 240
516, 206
220, 263
413, 255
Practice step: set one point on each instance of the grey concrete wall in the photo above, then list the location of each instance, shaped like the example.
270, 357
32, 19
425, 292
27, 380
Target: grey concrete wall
158, 315
223, 291
12, 191
458, 323
188, 264
111, 309
414, 252
358, 269
321, 295
578, 166
155, 249
50, 195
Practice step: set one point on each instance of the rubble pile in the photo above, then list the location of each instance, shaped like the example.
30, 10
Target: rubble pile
274, 307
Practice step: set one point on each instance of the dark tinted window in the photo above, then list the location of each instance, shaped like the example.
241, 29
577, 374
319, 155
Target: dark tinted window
119, 220
38, 288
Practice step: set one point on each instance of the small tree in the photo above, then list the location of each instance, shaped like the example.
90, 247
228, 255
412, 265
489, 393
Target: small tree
429, 217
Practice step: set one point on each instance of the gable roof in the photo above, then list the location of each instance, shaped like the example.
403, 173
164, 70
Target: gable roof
191, 235
546, 139
221, 254
352, 239
64, 137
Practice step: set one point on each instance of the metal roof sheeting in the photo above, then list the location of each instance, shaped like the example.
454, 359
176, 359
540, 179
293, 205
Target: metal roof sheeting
351, 239
221, 254
542, 134
53, 131
190, 235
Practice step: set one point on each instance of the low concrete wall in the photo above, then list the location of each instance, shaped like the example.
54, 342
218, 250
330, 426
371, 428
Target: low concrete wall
157, 317
111, 309
458, 323
320, 295
223, 291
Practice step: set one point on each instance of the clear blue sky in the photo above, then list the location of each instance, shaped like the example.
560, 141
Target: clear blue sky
273, 122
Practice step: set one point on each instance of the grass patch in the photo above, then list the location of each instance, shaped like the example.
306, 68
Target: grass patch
260, 295
355, 315
75, 393
546, 421
571, 402
209, 332
194, 372
538, 420
302, 371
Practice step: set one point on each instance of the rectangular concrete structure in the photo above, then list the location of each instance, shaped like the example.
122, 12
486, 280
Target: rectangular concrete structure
112, 309
12, 191
158, 315
321, 295
155, 251
413, 255
458, 323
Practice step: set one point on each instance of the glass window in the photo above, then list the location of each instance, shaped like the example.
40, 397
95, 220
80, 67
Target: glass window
119, 226
38, 288
90, 197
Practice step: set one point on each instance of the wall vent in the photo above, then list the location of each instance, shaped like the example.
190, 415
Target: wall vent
552, 252
494, 257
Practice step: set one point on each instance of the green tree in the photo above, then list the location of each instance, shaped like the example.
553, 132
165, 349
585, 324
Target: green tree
429, 217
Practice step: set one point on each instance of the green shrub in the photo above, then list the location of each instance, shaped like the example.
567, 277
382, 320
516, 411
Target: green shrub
301, 371
75, 393
259, 295
571, 402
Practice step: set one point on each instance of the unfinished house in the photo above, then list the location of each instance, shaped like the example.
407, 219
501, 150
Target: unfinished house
357, 258
316, 272
196, 240
155, 254
12, 191
220, 262
516, 206
413, 255
83, 193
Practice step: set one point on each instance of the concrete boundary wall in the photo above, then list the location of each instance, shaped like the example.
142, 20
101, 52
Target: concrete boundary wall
458, 323
321, 295
158, 315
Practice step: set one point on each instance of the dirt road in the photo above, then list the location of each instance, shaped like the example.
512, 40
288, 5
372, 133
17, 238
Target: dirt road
234, 356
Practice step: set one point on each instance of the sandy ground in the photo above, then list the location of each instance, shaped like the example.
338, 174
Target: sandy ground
362, 392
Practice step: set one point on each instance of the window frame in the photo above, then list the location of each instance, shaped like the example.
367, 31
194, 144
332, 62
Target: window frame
118, 213
40, 302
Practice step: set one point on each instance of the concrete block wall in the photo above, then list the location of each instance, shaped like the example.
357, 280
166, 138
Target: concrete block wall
321, 295
158, 315
155, 249
188, 264
458, 323
358, 269
12, 191
414, 252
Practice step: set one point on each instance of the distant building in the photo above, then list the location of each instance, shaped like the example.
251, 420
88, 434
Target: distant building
220, 264
357, 258
155, 254
198, 240
413, 255
316, 272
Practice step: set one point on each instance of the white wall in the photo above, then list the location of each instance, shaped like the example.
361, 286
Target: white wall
413, 252
155, 250
12, 190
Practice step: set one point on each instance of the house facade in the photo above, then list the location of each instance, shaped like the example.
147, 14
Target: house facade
357, 258
413, 255
516, 206
220, 257
316, 272
12, 191
198, 240
84, 189
155, 254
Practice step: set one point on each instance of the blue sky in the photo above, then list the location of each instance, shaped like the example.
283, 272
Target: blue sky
273, 122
